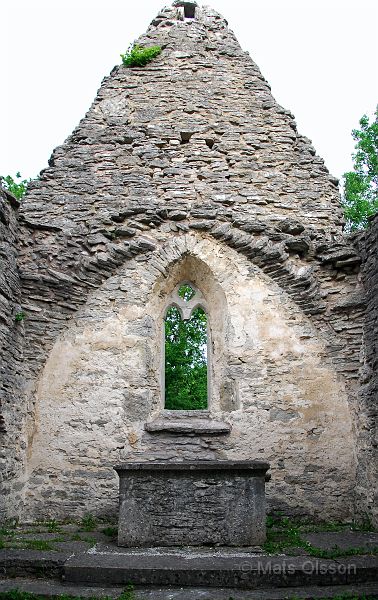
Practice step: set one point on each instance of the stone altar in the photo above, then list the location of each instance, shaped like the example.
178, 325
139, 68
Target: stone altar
192, 503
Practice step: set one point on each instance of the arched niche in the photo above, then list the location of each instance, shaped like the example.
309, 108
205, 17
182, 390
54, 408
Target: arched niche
190, 269
271, 380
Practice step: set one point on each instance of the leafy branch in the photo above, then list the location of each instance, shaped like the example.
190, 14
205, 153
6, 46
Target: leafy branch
16, 186
360, 198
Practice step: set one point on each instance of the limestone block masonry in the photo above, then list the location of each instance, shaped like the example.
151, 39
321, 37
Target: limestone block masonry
185, 170
12, 439
367, 482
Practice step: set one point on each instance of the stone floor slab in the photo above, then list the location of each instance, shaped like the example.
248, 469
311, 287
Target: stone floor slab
51, 588
343, 540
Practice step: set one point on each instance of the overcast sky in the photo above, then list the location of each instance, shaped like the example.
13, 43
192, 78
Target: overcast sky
320, 57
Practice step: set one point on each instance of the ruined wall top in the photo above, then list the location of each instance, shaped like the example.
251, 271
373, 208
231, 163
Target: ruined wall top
197, 133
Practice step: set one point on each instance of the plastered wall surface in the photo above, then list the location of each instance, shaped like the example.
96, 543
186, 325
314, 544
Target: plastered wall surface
270, 379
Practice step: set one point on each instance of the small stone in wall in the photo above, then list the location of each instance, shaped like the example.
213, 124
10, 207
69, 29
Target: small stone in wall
277, 414
132, 438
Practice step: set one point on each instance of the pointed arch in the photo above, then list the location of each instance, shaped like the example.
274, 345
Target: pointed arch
190, 267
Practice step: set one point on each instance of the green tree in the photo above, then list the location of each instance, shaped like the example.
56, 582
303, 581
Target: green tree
185, 360
15, 187
361, 185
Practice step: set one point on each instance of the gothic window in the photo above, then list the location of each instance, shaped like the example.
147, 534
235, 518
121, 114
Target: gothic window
186, 350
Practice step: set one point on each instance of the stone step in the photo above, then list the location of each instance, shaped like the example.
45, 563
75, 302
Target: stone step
52, 588
223, 569
29, 563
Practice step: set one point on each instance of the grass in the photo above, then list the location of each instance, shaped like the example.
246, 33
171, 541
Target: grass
110, 531
36, 544
285, 537
20, 544
14, 536
89, 539
308, 526
88, 523
53, 526
137, 56
128, 593
6, 531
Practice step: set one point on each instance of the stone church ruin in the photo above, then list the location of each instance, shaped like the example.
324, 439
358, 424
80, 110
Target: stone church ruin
186, 171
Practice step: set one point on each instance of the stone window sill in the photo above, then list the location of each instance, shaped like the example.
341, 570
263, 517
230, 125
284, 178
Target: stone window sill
187, 423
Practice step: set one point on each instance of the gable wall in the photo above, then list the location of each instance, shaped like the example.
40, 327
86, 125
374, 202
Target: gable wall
123, 184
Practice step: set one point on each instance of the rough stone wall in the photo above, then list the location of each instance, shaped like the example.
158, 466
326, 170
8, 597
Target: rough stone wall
271, 380
367, 483
191, 149
11, 434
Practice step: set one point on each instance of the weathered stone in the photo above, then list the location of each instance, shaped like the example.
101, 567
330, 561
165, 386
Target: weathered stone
12, 438
300, 245
187, 425
188, 504
291, 226
367, 441
235, 571
189, 177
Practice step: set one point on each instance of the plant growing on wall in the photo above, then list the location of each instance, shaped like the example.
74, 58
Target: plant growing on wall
138, 56
361, 185
16, 186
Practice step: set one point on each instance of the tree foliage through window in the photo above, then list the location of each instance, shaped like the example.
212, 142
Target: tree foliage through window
185, 357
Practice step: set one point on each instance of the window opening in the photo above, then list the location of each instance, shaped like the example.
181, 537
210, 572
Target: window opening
185, 137
186, 341
189, 10
186, 292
